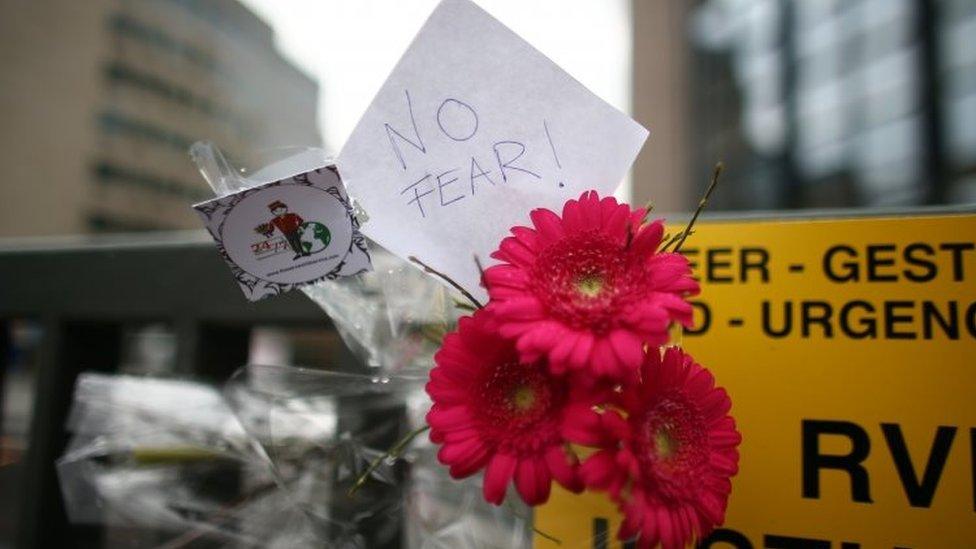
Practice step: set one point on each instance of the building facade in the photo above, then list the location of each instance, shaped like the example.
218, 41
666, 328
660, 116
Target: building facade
810, 103
100, 101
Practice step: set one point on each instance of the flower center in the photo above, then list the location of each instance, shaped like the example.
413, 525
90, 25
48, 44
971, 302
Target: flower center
514, 396
517, 406
664, 443
523, 397
589, 285
584, 278
672, 443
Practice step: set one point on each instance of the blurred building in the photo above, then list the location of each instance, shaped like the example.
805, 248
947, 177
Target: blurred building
810, 103
101, 99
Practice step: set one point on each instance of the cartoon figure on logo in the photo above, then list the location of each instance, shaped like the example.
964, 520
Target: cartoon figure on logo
289, 224
304, 237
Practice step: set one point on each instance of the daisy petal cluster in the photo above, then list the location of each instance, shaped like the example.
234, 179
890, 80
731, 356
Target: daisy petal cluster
568, 360
493, 412
590, 289
667, 451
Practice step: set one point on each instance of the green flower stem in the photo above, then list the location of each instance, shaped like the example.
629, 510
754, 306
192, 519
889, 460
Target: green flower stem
146, 455
394, 452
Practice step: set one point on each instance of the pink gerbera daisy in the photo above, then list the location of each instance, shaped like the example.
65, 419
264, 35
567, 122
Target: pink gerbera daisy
589, 289
668, 460
493, 411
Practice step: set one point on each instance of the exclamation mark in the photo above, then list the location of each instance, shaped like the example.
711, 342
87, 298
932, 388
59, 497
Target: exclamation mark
553, 148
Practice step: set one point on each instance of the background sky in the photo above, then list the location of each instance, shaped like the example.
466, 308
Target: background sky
350, 46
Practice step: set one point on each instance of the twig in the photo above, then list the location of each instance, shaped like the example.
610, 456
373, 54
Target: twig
394, 452
428, 269
648, 208
701, 205
549, 537
671, 239
481, 269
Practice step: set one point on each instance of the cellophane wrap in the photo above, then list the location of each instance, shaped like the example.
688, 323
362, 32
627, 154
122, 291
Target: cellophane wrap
268, 458
268, 461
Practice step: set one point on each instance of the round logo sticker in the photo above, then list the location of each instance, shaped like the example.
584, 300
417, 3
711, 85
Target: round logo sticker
287, 234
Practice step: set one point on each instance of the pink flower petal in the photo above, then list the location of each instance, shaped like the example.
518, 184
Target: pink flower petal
548, 224
715, 404
497, 476
629, 528
470, 463
519, 309
599, 470
678, 309
617, 222
628, 348
581, 351
462, 435
512, 330
648, 239
572, 216
528, 236
515, 251
560, 352
664, 524
650, 533
700, 383
615, 425
505, 276
603, 357
445, 393
446, 418
467, 456
670, 272
563, 468
582, 425
532, 481
723, 464
590, 209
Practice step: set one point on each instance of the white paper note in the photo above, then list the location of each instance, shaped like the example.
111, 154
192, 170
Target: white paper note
472, 130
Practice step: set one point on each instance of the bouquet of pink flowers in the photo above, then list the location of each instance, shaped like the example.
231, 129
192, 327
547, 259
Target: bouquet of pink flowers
566, 375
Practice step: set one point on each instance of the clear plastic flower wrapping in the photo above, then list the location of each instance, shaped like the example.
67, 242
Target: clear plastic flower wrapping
269, 458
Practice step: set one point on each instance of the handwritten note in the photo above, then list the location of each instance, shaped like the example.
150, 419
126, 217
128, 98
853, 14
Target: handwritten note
472, 130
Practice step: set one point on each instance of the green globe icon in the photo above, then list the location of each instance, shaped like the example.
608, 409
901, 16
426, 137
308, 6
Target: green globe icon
314, 237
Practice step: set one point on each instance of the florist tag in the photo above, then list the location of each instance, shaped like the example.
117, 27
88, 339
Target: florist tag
287, 233
472, 130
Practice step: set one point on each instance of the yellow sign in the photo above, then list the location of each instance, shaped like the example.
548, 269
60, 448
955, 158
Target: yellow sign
849, 350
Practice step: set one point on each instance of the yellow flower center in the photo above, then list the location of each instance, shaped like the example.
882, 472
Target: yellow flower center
665, 444
523, 397
589, 285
